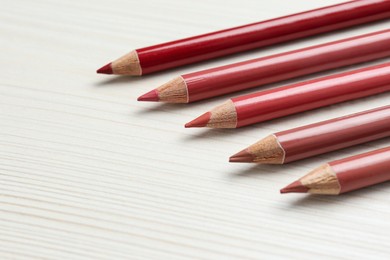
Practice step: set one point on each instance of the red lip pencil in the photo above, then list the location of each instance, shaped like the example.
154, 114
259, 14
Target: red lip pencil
314, 139
295, 98
216, 44
254, 73
345, 175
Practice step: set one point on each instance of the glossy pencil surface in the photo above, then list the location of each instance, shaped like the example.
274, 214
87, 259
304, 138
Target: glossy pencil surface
346, 174
362, 170
253, 73
265, 33
291, 99
282, 101
335, 134
313, 139
235, 77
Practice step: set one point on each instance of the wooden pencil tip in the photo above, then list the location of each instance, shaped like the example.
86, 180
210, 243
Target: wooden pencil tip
243, 156
201, 121
296, 186
150, 96
106, 69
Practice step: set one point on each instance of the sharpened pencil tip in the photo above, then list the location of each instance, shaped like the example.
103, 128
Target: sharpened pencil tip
201, 121
296, 186
243, 156
106, 69
150, 96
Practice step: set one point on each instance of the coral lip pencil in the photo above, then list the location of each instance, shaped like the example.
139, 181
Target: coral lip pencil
216, 44
314, 139
345, 175
295, 98
257, 72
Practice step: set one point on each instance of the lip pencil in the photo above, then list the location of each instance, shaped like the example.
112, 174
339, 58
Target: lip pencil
295, 98
314, 139
345, 175
216, 44
257, 72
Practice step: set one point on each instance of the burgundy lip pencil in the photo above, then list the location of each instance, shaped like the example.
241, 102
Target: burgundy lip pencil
345, 175
318, 138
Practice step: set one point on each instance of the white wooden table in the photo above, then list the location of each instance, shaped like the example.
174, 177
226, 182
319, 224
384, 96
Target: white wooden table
87, 172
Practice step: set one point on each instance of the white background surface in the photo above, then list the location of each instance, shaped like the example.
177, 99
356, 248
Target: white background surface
87, 172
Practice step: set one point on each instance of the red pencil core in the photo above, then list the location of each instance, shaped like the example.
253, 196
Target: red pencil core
150, 96
201, 121
296, 186
106, 69
242, 156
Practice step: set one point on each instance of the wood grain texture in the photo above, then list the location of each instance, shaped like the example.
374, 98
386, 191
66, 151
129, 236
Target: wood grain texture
86, 172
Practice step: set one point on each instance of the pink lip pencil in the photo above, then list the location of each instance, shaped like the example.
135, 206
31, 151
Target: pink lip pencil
291, 99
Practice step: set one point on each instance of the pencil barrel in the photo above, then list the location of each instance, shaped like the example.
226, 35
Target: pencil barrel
363, 170
304, 96
334, 134
216, 44
270, 69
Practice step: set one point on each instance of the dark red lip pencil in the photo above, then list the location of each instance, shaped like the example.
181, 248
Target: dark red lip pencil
216, 44
345, 175
295, 98
257, 72
314, 139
